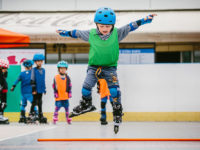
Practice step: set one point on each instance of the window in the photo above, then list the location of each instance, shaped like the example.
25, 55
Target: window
186, 57
196, 56
168, 57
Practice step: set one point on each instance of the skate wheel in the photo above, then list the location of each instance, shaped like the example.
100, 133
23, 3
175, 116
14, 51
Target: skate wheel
4, 122
116, 129
72, 115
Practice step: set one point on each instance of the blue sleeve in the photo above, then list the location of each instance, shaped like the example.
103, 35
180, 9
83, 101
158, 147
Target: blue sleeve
44, 82
18, 80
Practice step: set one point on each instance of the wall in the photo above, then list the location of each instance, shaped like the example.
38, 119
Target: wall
145, 88
13, 98
82, 5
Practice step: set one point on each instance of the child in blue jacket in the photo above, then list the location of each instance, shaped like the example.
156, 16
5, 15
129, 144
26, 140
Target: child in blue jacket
26, 88
38, 87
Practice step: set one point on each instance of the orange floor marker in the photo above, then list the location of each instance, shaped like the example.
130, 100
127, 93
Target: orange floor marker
111, 139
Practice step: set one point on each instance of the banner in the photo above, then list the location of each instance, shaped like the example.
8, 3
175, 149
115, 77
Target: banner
136, 56
17, 56
13, 98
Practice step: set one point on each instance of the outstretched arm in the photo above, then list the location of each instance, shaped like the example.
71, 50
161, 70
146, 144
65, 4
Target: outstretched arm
84, 35
123, 31
16, 82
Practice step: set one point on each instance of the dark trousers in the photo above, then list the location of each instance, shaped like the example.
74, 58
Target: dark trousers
3, 103
37, 101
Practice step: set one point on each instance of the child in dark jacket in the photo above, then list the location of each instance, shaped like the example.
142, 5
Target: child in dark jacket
3, 90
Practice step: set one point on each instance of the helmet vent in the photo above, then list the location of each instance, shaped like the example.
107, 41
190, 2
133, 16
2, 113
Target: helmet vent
100, 20
106, 8
111, 13
100, 12
105, 15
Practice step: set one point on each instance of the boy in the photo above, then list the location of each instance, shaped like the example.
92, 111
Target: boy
104, 53
26, 88
38, 87
62, 91
3, 90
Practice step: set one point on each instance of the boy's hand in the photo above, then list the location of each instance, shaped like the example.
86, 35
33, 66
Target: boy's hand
12, 89
147, 19
70, 95
56, 95
34, 92
63, 33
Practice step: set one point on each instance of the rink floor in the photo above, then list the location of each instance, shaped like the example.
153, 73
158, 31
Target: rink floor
24, 137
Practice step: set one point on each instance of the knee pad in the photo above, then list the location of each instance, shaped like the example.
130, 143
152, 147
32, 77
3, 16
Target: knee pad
86, 92
116, 94
113, 92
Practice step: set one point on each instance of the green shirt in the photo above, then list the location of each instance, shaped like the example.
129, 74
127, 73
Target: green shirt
103, 52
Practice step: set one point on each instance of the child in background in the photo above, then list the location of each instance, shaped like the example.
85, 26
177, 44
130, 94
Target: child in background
26, 88
38, 88
104, 52
3, 90
62, 91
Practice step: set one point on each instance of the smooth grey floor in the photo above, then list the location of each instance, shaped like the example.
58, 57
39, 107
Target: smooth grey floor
28, 140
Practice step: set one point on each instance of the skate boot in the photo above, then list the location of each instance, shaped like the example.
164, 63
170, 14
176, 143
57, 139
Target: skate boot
84, 107
3, 120
55, 120
117, 116
55, 117
22, 117
69, 120
32, 119
42, 119
103, 121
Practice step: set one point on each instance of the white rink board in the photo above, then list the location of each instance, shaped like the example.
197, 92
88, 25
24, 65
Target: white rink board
145, 88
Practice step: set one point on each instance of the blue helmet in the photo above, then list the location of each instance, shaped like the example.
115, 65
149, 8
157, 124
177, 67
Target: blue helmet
62, 64
105, 15
28, 63
38, 56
